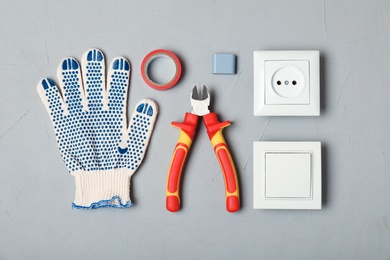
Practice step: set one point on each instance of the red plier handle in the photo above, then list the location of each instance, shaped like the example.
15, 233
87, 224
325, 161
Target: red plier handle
214, 131
187, 132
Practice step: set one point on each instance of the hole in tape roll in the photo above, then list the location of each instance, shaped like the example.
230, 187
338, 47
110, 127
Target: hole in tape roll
161, 69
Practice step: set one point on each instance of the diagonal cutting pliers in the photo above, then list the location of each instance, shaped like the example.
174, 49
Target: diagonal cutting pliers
200, 102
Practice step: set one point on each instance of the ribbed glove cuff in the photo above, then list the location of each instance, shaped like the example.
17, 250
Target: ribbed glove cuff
99, 189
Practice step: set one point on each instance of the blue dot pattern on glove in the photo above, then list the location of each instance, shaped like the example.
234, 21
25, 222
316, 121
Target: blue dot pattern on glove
90, 123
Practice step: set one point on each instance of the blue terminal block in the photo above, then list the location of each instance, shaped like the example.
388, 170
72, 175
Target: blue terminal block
224, 63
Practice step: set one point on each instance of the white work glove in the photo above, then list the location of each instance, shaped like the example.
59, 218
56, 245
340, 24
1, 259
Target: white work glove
89, 117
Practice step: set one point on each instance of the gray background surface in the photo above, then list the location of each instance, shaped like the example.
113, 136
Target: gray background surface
36, 218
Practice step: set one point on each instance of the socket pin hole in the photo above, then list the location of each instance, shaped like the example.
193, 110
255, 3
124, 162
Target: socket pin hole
278, 82
294, 82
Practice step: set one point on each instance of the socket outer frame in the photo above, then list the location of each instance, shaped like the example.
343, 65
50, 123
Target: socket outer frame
261, 108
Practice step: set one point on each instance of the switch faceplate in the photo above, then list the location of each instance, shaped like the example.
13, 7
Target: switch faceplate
286, 83
287, 175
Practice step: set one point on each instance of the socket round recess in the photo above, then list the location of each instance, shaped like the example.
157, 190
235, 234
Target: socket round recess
288, 81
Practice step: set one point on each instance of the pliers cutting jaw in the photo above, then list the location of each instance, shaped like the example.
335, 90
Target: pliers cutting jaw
200, 102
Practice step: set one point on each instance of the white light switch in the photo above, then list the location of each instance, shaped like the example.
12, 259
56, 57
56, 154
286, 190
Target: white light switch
287, 175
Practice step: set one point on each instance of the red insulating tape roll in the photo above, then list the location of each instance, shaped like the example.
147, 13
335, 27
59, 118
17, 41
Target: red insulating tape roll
149, 58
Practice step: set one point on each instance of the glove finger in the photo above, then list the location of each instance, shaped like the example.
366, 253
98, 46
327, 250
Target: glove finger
118, 82
51, 98
140, 130
94, 79
69, 76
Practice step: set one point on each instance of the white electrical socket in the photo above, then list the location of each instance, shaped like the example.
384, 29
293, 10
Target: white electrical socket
286, 83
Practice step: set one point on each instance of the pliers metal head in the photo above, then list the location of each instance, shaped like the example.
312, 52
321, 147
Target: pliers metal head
200, 101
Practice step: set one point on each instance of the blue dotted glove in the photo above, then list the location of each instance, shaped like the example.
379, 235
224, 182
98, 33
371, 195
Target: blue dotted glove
90, 123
